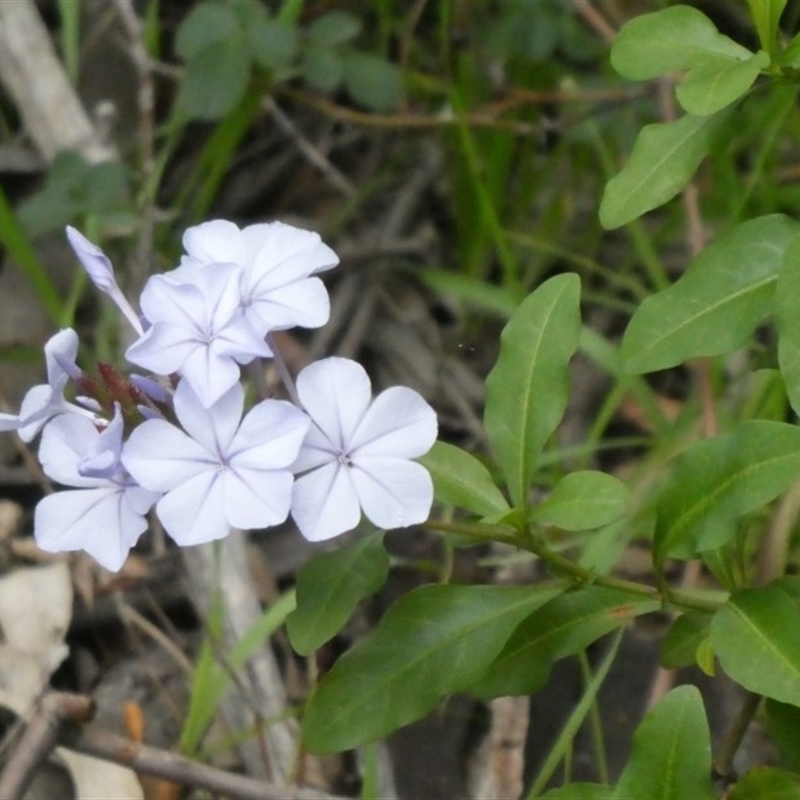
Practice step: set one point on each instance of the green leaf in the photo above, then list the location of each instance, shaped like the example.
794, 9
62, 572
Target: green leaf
211, 679
215, 81
755, 638
372, 81
330, 586
205, 24
789, 57
767, 783
671, 754
679, 646
527, 390
323, 69
664, 158
734, 278
717, 481
581, 501
766, 16
273, 43
332, 29
20, 250
473, 292
434, 641
717, 82
461, 480
783, 727
580, 791
249, 13
565, 626
787, 320
669, 40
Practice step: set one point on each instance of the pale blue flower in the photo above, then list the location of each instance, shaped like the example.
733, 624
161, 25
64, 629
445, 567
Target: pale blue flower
356, 455
278, 290
197, 328
101, 273
46, 400
105, 514
220, 471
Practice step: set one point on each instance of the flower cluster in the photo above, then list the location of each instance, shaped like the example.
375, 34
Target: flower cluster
181, 440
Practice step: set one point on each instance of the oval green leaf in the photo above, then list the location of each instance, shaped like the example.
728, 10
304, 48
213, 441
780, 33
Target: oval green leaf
204, 24
755, 637
716, 82
664, 158
679, 647
273, 43
527, 390
330, 586
719, 480
215, 80
566, 625
787, 321
460, 480
783, 728
372, 81
333, 29
767, 783
666, 41
734, 278
671, 755
434, 641
583, 500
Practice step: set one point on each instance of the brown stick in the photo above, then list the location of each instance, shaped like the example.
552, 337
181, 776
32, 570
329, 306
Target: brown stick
178, 769
40, 737
59, 719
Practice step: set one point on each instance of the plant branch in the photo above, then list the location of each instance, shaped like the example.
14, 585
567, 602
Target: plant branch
723, 763
579, 574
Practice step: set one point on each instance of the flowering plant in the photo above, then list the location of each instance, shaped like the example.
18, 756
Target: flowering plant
178, 439
717, 489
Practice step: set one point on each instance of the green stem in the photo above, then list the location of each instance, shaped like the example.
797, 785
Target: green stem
595, 722
565, 566
576, 718
723, 763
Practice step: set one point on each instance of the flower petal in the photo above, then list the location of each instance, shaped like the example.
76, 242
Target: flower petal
194, 512
99, 521
325, 503
93, 259
160, 456
101, 273
257, 498
317, 450
213, 427
101, 458
65, 442
210, 374
302, 303
180, 304
163, 348
399, 423
215, 241
394, 493
269, 437
288, 249
60, 353
336, 393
